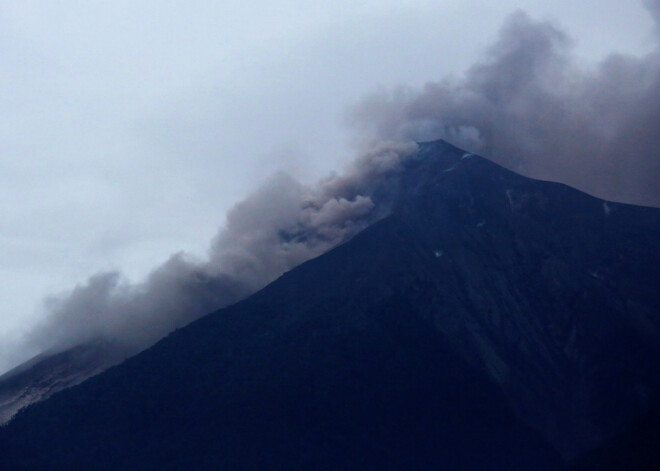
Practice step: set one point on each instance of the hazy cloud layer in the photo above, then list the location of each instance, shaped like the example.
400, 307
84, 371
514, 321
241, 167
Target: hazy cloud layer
279, 226
532, 107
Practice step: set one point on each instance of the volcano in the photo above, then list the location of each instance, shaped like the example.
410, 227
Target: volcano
489, 321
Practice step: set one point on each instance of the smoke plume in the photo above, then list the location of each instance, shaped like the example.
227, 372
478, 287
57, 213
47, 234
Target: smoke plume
528, 105
278, 227
531, 106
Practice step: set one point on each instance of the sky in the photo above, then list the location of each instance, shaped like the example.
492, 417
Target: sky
128, 130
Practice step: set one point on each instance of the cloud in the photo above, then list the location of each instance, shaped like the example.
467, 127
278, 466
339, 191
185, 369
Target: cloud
530, 105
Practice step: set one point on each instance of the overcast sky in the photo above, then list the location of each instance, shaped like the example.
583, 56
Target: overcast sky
128, 128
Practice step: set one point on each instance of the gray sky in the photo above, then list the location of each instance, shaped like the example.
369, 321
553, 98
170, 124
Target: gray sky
128, 129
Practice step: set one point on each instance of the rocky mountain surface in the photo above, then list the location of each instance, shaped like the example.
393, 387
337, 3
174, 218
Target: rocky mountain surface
491, 321
51, 372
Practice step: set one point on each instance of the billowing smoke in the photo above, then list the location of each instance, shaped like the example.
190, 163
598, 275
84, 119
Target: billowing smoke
528, 105
278, 227
531, 106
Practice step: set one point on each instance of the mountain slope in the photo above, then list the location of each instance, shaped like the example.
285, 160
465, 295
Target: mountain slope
484, 300
553, 292
352, 385
51, 372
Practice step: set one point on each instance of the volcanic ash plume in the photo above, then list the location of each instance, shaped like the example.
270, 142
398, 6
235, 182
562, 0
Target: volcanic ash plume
278, 227
532, 107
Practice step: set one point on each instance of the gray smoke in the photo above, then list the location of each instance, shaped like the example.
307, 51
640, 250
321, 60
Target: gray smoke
278, 227
531, 106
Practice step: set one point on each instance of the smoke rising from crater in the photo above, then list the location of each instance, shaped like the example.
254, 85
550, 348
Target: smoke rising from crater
279, 226
531, 106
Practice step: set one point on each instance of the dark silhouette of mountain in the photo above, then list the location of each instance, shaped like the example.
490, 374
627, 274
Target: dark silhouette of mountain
488, 315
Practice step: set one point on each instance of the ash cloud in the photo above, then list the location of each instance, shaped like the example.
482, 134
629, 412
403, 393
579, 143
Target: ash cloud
281, 225
533, 107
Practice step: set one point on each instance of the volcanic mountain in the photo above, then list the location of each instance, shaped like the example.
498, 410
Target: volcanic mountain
490, 321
